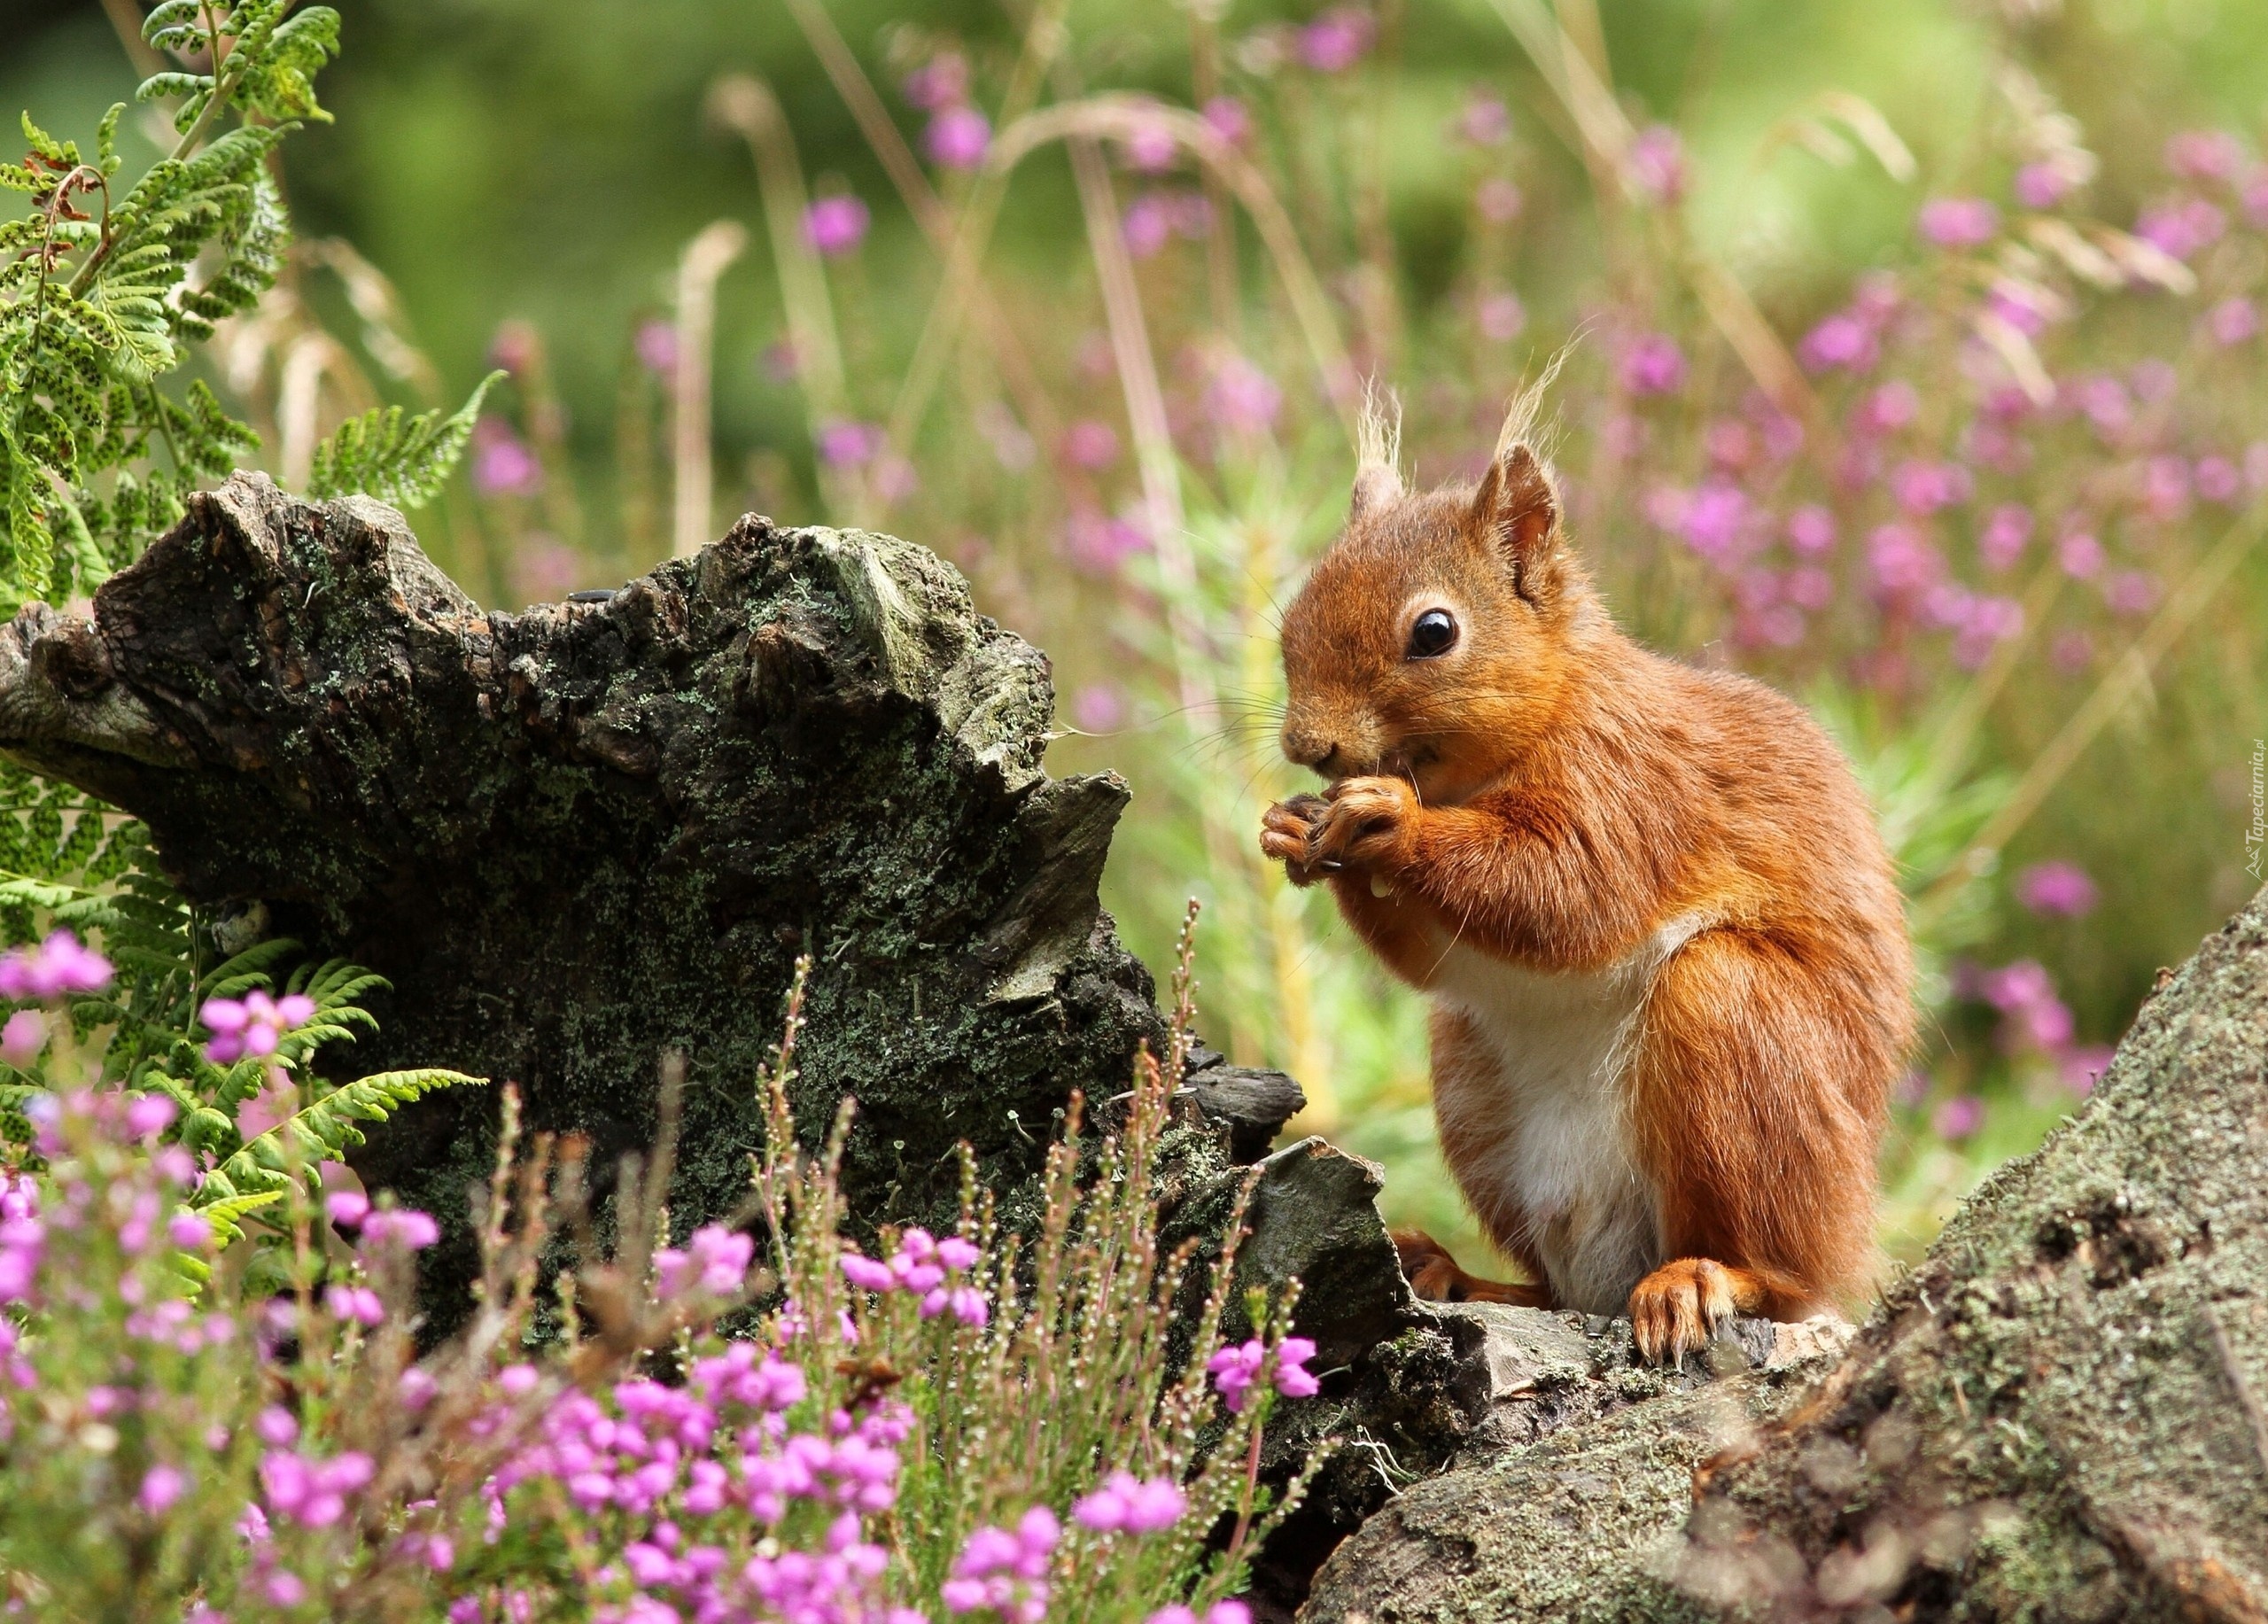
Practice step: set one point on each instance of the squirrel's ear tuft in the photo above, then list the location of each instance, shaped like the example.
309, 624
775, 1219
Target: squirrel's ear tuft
1517, 511
1378, 452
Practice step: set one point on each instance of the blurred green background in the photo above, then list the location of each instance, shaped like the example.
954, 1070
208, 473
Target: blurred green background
524, 177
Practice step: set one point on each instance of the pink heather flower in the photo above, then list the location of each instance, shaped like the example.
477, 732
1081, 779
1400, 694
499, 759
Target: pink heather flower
2204, 155
147, 1114
347, 1207
1499, 200
1486, 121
1502, 317
1921, 488
1126, 1505
516, 1381
2217, 479
865, 1273
1241, 399
1902, 562
2081, 1067
1653, 365
1219, 1612
1233, 1371
1809, 587
355, 1304
1098, 707
656, 346
1958, 222
253, 1024
2165, 486
1986, 622
406, 1227
59, 965
958, 1252
1336, 39
1292, 1378
1717, 522
1655, 165
2256, 200
1889, 408
1099, 544
416, 1389
190, 1231
1150, 146
835, 225
2008, 531
1958, 1118
714, 1259
2130, 592
2056, 887
941, 82
503, 465
278, 1427
846, 443
2080, 554
1147, 225
2042, 186
1841, 340
161, 1487
1229, 119
958, 137
2155, 378
1090, 444
2232, 321
2184, 229
1810, 530
23, 1038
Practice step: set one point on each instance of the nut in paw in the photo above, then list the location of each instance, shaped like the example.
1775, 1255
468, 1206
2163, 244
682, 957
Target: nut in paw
1367, 825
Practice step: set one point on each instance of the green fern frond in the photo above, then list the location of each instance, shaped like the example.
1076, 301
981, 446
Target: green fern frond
400, 461
326, 1130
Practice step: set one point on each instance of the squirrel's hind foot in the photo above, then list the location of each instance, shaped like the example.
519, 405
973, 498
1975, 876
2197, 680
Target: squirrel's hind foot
1436, 1275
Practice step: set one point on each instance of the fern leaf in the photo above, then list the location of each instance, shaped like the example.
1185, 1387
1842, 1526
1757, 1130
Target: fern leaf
328, 1129
401, 460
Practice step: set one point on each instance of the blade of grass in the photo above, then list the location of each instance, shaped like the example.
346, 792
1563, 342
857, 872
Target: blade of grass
704, 260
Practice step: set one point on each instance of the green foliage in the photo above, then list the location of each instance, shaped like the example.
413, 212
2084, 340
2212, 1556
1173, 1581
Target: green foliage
404, 460
324, 1130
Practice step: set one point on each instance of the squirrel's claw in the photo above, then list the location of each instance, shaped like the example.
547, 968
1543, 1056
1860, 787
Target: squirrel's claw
1287, 835
1676, 1309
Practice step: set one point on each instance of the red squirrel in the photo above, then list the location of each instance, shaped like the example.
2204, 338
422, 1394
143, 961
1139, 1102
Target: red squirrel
1661, 937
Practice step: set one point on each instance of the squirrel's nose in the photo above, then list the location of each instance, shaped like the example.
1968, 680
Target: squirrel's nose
1307, 748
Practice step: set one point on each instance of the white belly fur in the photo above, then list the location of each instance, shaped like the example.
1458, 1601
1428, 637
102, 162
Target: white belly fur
1558, 1112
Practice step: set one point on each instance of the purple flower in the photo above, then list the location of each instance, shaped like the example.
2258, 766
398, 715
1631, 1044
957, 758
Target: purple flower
1486, 121
2217, 479
2080, 554
253, 1024
1100, 544
1958, 222
846, 443
1921, 488
1219, 1612
2056, 887
1150, 146
867, 1274
1098, 707
1241, 398
1841, 340
1229, 119
1653, 365
1336, 39
1987, 622
2130, 592
2204, 155
1903, 563
189, 1230
1235, 1370
1292, 1378
2232, 321
59, 965
23, 1038
1501, 317
161, 1487
2082, 1066
355, 1304
656, 346
714, 1259
1810, 530
958, 137
2182, 229
1090, 444
2008, 530
1655, 165
835, 225
347, 1207
1499, 200
941, 82
1126, 1505
1005, 1573
1147, 225
1958, 1118
406, 1226
2043, 185
503, 465
1888, 408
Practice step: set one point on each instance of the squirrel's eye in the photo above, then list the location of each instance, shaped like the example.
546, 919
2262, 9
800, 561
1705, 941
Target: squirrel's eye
1436, 633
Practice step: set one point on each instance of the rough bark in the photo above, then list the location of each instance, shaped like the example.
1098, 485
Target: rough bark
576, 838
2059, 1416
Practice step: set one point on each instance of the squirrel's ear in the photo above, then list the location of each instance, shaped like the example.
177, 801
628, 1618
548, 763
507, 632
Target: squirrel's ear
1517, 512
1377, 485
1378, 448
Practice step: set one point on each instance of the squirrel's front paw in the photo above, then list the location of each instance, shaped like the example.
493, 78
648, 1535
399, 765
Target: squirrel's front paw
1286, 833
1368, 824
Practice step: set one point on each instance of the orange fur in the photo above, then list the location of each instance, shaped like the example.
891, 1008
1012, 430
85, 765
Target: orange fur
1547, 817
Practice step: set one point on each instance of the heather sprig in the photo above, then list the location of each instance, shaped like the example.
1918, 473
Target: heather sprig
192, 1434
